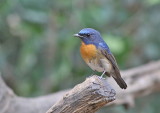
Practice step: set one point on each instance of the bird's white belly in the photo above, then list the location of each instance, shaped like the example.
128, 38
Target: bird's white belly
95, 67
101, 65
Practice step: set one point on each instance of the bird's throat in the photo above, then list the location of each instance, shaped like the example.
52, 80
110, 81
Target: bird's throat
88, 51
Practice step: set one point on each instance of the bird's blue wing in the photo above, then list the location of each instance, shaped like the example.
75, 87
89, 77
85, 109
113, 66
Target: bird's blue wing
107, 53
117, 76
103, 45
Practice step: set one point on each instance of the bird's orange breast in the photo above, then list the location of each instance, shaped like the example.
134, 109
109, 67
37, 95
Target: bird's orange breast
88, 52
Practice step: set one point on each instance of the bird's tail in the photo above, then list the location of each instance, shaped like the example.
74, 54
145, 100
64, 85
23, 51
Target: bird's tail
120, 82
118, 79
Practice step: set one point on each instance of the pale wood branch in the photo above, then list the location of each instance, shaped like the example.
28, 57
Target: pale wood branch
141, 81
86, 97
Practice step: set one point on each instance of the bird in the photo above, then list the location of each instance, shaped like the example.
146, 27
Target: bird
97, 55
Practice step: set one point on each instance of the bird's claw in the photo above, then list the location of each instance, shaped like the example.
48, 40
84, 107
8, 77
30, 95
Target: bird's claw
101, 77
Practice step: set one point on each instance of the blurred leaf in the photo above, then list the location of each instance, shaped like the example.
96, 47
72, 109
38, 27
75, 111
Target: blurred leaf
116, 44
153, 2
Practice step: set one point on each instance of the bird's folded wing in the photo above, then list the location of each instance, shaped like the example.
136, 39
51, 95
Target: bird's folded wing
111, 58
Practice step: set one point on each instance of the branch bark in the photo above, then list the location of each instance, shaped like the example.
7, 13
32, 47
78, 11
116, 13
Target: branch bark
86, 97
141, 81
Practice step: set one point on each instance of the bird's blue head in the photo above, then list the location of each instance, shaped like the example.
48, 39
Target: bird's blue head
89, 36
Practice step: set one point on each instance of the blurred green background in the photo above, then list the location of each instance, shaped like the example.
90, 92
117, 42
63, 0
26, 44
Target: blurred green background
39, 55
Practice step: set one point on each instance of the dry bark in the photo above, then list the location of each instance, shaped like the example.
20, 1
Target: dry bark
141, 81
86, 97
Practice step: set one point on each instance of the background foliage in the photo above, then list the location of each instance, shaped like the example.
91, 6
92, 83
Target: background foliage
39, 55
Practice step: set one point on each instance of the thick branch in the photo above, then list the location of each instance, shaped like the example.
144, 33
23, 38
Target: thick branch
86, 97
141, 81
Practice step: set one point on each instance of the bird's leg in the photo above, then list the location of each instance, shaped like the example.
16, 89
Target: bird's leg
102, 74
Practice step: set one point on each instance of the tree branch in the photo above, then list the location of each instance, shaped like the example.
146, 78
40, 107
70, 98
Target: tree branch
141, 81
86, 97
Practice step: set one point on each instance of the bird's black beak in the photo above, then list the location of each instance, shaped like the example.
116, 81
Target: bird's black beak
77, 35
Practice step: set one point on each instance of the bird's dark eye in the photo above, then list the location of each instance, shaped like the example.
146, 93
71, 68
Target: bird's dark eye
88, 35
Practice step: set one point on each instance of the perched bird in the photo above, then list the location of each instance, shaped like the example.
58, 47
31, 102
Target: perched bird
96, 53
